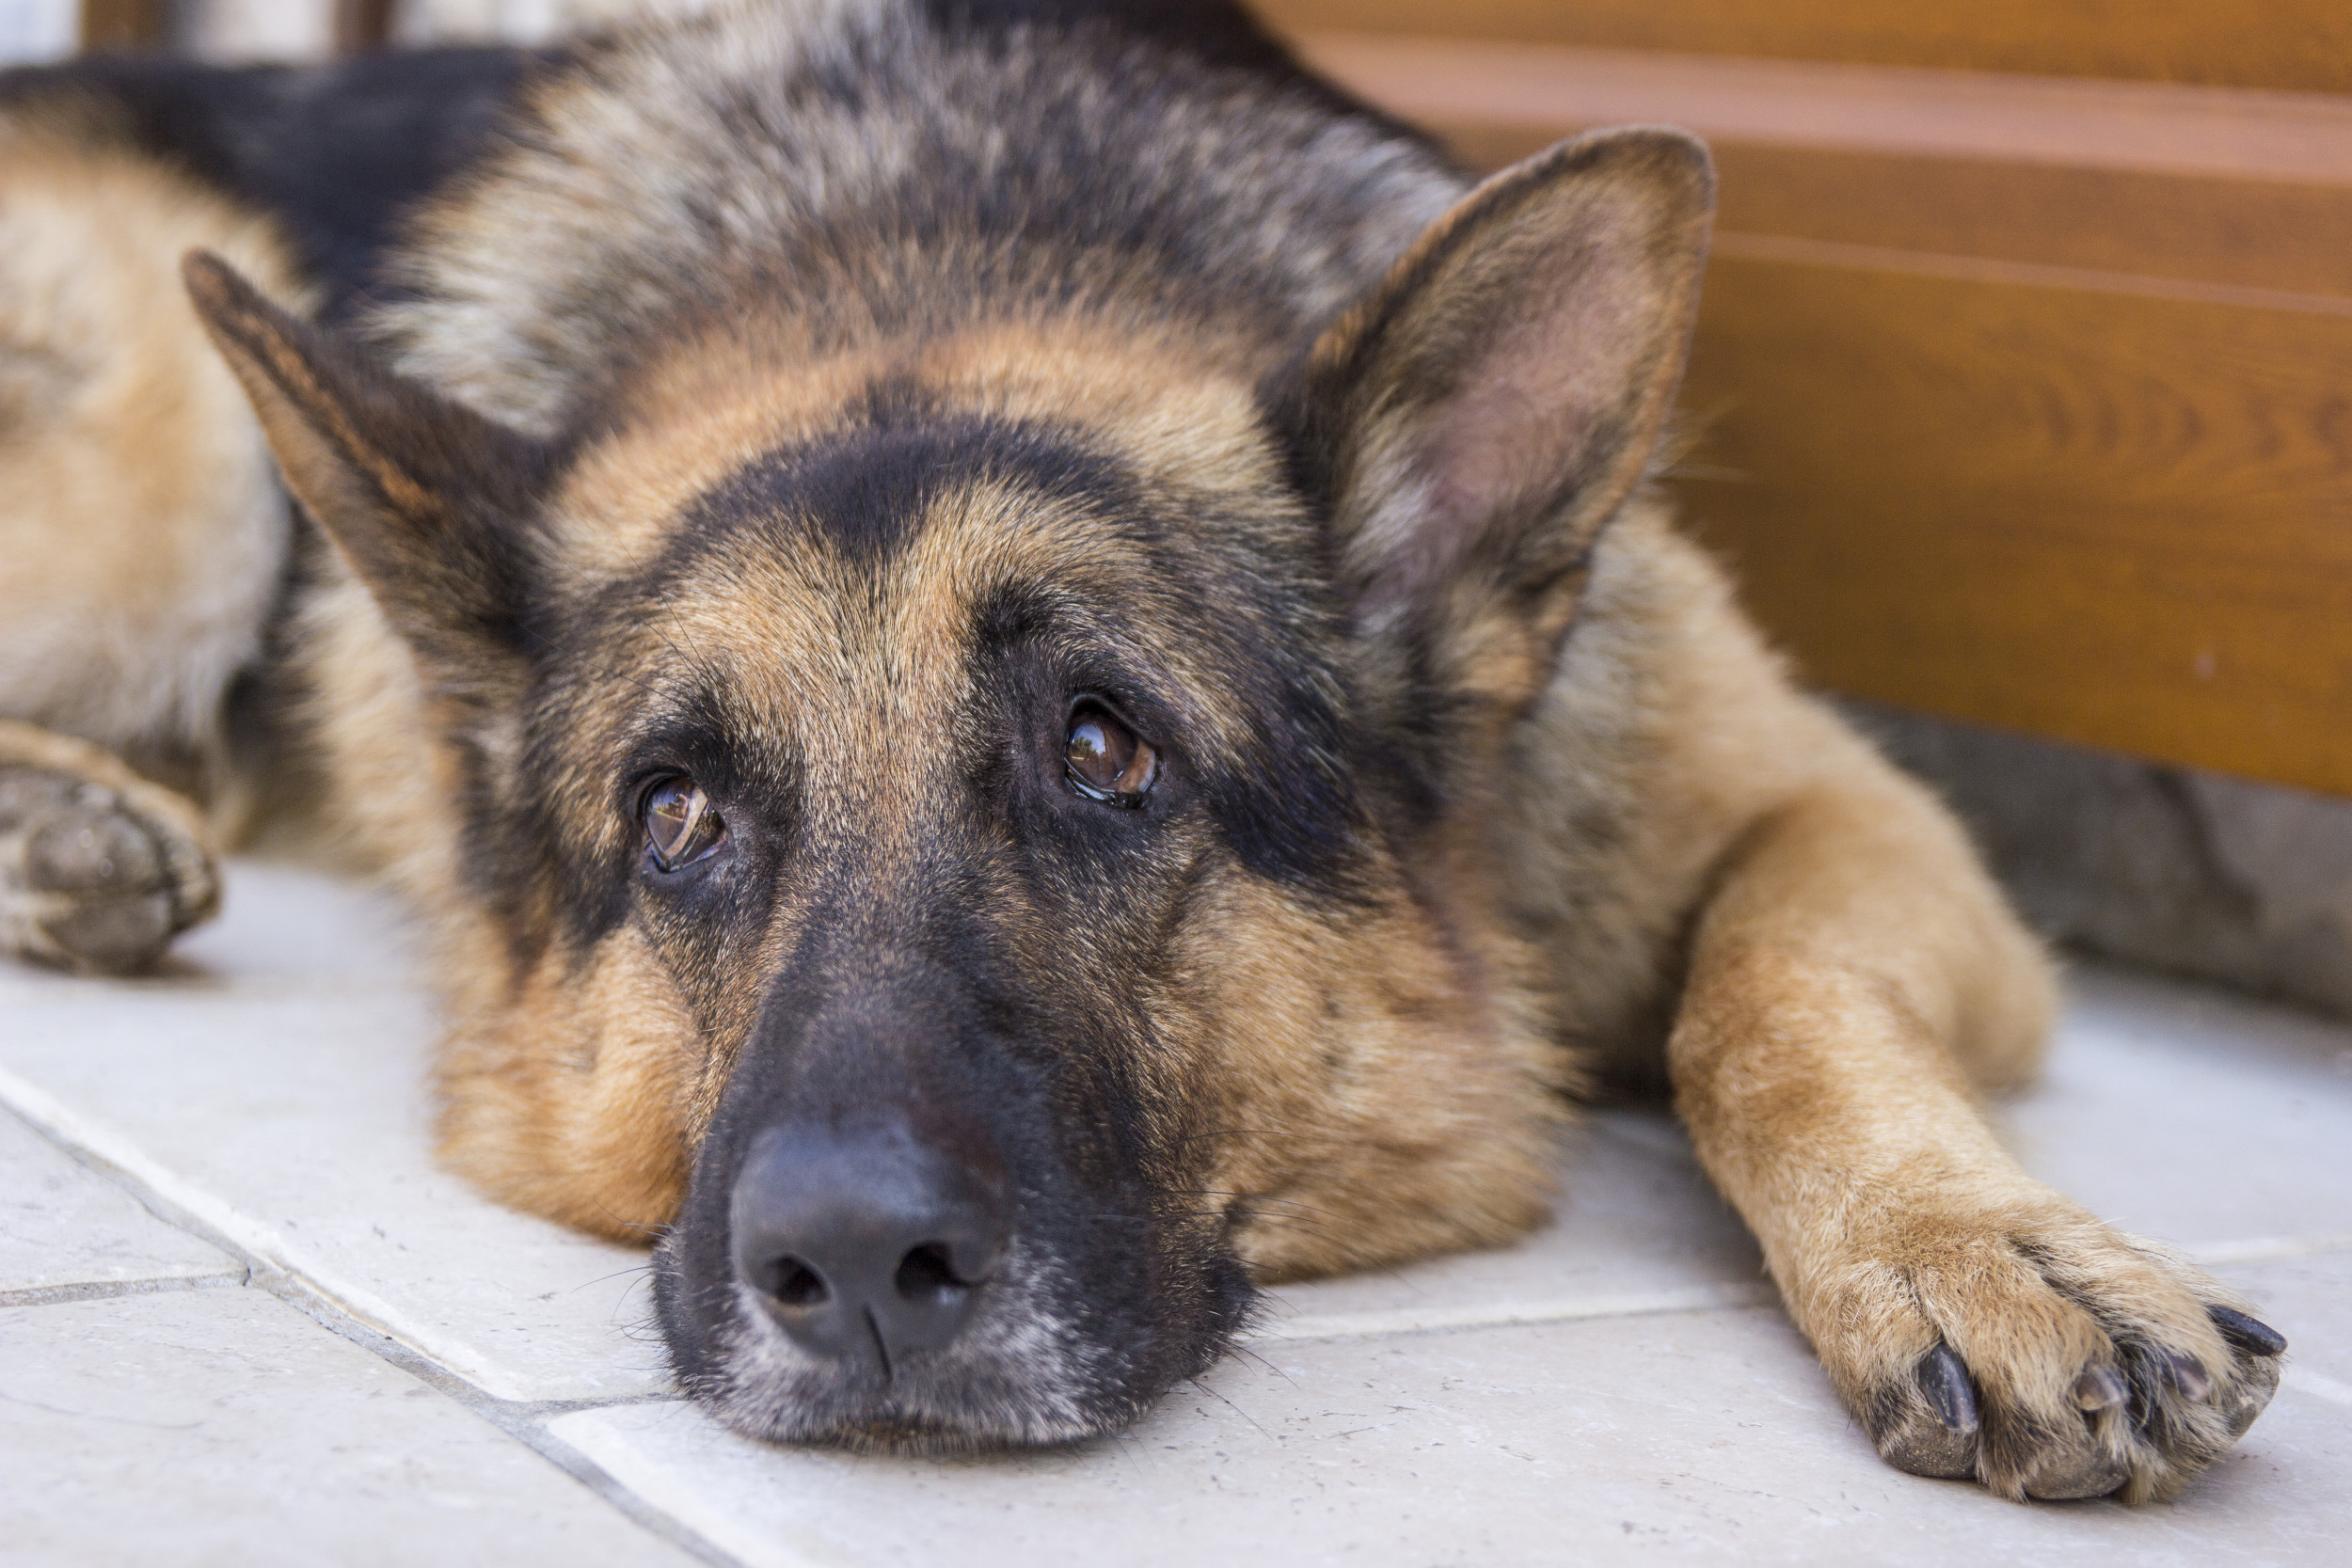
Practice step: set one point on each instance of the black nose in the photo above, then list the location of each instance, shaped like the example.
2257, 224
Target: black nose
869, 1243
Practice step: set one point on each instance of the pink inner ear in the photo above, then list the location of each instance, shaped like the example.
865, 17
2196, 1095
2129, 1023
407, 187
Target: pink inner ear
1535, 401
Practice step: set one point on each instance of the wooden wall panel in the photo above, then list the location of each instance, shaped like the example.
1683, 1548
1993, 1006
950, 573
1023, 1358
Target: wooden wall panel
2027, 400
2297, 45
124, 24
2126, 519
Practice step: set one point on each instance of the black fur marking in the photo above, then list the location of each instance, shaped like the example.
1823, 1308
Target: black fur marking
1288, 807
868, 487
336, 152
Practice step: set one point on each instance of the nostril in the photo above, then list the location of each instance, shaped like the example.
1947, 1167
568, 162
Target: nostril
926, 1274
797, 1285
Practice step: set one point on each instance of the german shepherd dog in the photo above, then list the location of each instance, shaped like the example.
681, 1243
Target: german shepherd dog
1023, 664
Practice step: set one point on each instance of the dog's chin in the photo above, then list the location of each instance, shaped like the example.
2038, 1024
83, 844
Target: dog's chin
1016, 1379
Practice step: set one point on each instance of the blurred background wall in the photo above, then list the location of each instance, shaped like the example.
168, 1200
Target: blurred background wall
2023, 401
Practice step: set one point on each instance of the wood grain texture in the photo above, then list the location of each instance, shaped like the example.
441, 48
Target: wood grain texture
2153, 127
2297, 45
2120, 518
2027, 401
2277, 234
2241, 188
124, 24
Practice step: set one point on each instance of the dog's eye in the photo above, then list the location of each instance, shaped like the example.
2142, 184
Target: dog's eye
1105, 760
680, 827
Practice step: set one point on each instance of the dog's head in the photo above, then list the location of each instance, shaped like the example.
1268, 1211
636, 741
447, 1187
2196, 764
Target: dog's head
983, 834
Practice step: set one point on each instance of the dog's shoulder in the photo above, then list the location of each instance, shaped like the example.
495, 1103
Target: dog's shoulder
1669, 730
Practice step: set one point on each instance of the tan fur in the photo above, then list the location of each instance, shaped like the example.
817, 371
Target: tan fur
1645, 857
1436, 1136
141, 531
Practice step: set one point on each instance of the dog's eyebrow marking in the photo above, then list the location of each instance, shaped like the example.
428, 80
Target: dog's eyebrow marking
869, 490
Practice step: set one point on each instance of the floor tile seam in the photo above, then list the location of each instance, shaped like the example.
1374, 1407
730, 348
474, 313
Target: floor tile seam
751, 1545
165, 1197
205, 1215
2301, 1379
81, 992
528, 1422
2269, 1249
1381, 1325
108, 1290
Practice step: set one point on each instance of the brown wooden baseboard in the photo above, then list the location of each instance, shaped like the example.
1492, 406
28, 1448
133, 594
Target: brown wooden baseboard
2295, 45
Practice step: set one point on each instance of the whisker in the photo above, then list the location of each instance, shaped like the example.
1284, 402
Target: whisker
1229, 1405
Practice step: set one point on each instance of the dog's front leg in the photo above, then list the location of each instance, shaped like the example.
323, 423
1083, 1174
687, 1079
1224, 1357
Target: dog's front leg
1853, 979
99, 867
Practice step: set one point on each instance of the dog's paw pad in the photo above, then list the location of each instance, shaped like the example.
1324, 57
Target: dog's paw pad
93, 879
91, 848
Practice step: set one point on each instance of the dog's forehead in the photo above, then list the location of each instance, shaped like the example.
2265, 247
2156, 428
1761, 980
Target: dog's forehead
819, 555
1178, 409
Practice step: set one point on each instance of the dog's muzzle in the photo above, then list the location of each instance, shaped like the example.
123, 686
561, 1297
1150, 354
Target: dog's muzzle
869, 1244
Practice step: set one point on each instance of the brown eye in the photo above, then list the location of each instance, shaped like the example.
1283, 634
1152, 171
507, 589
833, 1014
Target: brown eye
1105, 760
680, 827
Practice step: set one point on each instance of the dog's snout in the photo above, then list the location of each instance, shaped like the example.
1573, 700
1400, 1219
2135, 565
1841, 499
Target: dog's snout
868, 1244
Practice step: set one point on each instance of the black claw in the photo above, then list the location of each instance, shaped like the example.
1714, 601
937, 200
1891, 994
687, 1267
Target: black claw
2099, 1388
2250, 1335
1944, 1379
2185, 1374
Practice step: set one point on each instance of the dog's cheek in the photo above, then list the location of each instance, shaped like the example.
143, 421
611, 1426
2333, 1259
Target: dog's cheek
577, 1097
1375, 1103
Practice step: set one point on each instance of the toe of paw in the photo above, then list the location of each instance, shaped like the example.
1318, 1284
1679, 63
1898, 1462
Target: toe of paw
91, 852
2250, 1391
1926, 1425
1927, 1447
2080, 1473
29, 792
115, 936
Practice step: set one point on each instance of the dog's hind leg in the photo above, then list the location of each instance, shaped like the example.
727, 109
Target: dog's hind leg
1853, 978
143, 544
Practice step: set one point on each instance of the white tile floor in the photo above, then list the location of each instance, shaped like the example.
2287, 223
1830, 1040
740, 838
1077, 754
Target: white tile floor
244, 1319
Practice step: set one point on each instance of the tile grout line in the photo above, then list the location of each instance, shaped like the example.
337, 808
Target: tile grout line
183, 1203
524, 1420
204, 989
2269, 1249
2318, 1385
1405, 1321
107, 1289
1695, 1298
359, 1317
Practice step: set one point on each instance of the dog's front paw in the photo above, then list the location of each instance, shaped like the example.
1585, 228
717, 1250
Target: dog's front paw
2042, 1353
95, 878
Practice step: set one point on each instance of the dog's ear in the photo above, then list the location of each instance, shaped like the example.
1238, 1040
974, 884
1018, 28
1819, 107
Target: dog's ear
1476, 419
429, 502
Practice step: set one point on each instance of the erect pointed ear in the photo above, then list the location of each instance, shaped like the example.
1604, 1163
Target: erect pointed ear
429, 502
1478, 418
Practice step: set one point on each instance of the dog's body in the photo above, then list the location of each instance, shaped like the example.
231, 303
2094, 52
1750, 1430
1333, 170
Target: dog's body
1008, 605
